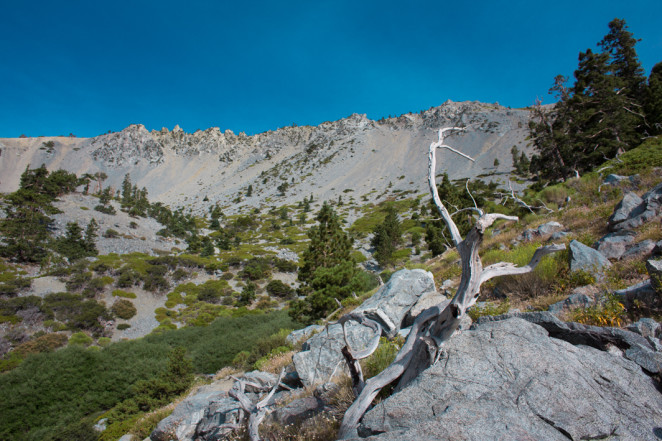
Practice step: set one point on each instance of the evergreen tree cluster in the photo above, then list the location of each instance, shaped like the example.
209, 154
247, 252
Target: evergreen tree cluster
608, 110
26, 227
328, 271
387, 237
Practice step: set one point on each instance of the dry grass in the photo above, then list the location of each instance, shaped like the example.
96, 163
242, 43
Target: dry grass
226, 372
277, 362
650, 230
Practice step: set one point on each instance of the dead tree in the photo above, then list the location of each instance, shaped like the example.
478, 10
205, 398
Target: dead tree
435, 325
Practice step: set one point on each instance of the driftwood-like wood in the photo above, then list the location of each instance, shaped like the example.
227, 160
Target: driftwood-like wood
256, 412
435, 326
352, 357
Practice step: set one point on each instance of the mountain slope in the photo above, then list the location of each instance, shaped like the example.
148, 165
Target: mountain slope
353, 154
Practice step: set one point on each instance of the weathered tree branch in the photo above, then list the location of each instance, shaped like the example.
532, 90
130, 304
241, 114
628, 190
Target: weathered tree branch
435, 326
352, 358
256, 412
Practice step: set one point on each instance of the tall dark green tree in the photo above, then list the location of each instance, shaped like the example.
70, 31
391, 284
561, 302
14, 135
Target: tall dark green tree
25, 227
328, 271
329, 244
126, 191
599, 116
653, 100
387, 237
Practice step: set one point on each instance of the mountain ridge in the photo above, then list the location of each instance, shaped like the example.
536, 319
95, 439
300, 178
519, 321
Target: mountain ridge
354, 155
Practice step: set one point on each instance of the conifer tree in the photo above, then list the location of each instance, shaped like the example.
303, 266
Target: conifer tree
126, 190
328, 271
653, 100
601, 115
387, 237
329, 244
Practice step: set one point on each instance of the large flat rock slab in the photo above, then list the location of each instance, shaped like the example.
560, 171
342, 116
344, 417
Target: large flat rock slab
508, 380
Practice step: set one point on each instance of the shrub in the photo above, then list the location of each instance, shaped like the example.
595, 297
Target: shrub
609, 313
123, 326
179, 274
123, 294
14, 286
107, 209
44, 343
52, 389
489, 308
80, 338
256, 269
284, 265
111, 234
124, 309
279, 289
382, 357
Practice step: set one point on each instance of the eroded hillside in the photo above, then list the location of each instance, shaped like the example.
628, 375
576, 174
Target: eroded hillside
283, 166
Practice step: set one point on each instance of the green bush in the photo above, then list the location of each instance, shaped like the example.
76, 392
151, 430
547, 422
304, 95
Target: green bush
80, 338
382, 357
277, 288
123, 326
110, 233
124, 309
123, 294
60, 388
489, 308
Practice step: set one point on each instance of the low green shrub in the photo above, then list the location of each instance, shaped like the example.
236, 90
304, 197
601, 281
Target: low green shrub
123, 294
124, 309
80, 338
610, 312
489, 308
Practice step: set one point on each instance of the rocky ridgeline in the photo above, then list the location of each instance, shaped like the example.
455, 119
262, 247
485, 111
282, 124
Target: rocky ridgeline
352, 154
127, 147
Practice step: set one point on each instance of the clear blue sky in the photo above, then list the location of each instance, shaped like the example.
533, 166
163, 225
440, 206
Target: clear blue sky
89, 66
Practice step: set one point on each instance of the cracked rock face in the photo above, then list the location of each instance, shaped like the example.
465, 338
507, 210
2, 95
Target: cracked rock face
509, 380
128, 147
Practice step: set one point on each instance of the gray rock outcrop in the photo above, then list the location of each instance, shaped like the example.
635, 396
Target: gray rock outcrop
542, 230
510, 380
576, 300
586, 259
614, 245
646, 327
303, 334
639, 250
183, 421
321, 358
642, 292
390, 304
633, 211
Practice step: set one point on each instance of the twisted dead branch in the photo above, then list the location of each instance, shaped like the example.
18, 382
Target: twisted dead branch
435, 326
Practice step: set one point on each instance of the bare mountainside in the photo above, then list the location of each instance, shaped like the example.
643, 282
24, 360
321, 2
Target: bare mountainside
354, 155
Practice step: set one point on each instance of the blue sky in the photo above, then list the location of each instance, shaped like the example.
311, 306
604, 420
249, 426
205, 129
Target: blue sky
86, 67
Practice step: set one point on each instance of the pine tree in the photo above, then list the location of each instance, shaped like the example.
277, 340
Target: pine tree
328, 271
599, 116
653, 100
329, 244
387, 237
90, 238
126, 190
25, 227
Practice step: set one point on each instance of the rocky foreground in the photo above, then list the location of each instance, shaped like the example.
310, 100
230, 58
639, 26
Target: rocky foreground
518, 376
512, 377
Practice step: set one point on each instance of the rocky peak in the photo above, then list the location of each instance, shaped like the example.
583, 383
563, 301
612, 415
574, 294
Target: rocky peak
128, 147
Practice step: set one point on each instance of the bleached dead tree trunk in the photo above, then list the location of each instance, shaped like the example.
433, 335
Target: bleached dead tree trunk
435, 326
